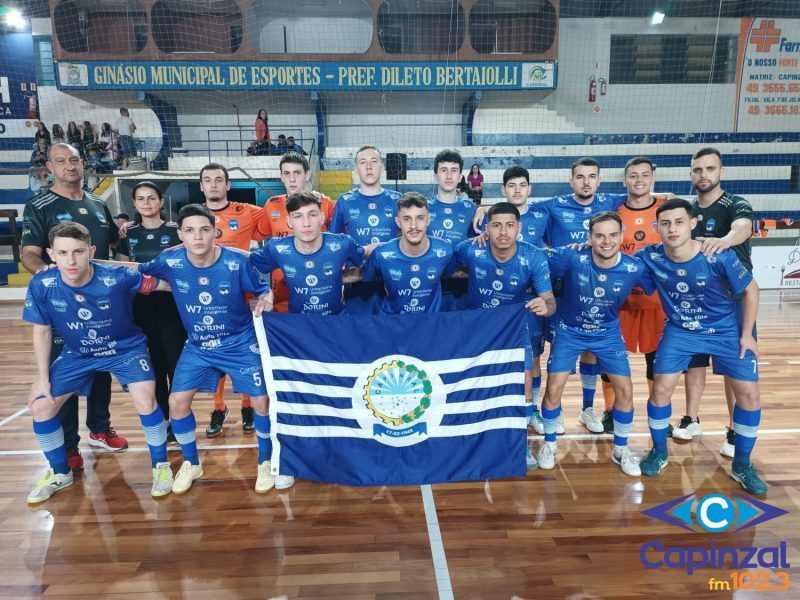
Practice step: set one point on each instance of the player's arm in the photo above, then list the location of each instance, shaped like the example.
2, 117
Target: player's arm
544, 305
42, 342
749, 312
352, 275
34, 240
32, 260
477, 219
741, 230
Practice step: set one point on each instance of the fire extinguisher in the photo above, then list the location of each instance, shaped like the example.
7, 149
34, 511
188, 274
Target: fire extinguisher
592, 89
33, 107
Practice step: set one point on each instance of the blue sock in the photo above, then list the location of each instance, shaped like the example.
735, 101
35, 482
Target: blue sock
155, 432
745, 424
588, 382
263, 426
658, 420
184, 433
622, 425
537, 386
550, 420
528, 410
50, 436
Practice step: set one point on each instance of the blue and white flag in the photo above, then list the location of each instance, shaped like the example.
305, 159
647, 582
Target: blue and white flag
401, 399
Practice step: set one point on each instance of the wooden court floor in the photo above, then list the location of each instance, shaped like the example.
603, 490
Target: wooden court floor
574, 532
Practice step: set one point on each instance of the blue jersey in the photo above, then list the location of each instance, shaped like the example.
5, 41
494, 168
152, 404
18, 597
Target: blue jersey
592, 295
451, 221
413, 283
533, 224
96, 319
314, 280
568, 221
367, 219
492, 283
696, 294
211, 300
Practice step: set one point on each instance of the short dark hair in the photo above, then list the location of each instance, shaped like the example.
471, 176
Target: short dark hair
212, 166
123, 216
586, 161
412, 199
451, 156
706, 151
514, 172
502, 208
145, 184
70, 229
368, 147
639, 160
300, 199
604, 216
195, 210
294, 158
674, 204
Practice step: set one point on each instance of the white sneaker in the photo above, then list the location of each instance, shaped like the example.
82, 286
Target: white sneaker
265, 481
530, 459
728, 447
162, 480
589, 420
283, 482
186, 476
547, 455
536, 422
686, 429
625, 459
49, 484
561, 430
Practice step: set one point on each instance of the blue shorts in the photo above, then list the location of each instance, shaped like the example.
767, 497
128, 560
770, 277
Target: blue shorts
201, 369
73, 373
536, 325
676, 349
609, 348
703, 360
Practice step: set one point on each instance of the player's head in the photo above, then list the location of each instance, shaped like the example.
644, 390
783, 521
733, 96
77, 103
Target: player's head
147, 200
64, 162
305, 216
295, 172
71, 250
214, 182
447, 167
706, 170
585, 178
516, 185
196, 229
638, 176
605, 234
369, 166
502, 225
413, 217
675, 222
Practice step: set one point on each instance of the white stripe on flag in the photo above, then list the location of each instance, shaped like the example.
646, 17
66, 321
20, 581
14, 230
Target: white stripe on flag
267, 366
316, 410
490, 381
473, 406
480, 427
305, 431
301, 387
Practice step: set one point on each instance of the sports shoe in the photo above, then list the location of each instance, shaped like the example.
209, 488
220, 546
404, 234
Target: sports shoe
248, 420
687, 428
171, 439
283, 482
530, 459
48, 485
186, 476
547, 455
108, 440
162, 480
74, 459
729, 445
560, 430
749, 479
654, 463
589, 420
536, 421
608, 421
670, 429
265, 480
217, 420
625, 459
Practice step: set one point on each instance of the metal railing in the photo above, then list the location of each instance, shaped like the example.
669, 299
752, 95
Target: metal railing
238, 141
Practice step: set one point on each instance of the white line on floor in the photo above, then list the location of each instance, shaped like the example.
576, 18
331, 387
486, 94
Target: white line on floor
21, 411
437, 547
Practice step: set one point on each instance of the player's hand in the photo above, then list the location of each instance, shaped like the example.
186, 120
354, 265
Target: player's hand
537, 306
747, 342
123, 229
477, 220
40, 390
712, 245
481, 239
47, 267
369, 249
263, 304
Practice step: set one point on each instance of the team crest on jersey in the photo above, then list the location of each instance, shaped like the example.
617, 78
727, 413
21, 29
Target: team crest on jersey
103, 303
80, 298
583, 279
617, 284
497, 285
327, 269
311, 280
388, 212
224, 288
711, 259
233, 225
531, 231
480, 273
183, 286
165, 240
100, 217
205, 298
586, 224
175, 263
398, 400
289, 271
202, 280
84, 313
602, 277
415, 268
133, 242
372, 206
599, 292
448, 211
514, 279
462, 219
283, 249
373, 220
681, 272
64, 217
447, 223
631, 268
710, 224
150, 236
682, 287
309, 264
334, 246
700, 279
414, 282
395, 274
499, 272
109, 281
232, 265
431, 273
639, 221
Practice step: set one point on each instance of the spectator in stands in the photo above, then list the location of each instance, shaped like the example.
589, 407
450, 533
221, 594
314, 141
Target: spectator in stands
291, 146
126, 129
42, 133
88, 138
112, 149
463, 187
262, 130
73, 135
94, 163
475, 182
282, 146
106, 134
39, 155
40, 179
58, 136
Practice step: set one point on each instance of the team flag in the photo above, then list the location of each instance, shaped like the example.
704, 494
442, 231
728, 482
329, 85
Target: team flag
401, 399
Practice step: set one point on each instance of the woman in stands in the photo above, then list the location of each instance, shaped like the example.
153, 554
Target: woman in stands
73, 135
262, 132
88, 138
42, 133
475, 181
39, 155
58, 136
156, 314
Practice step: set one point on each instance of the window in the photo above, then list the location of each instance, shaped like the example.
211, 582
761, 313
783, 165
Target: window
211, 27
512, 26
120, 28
410, 27
43, 55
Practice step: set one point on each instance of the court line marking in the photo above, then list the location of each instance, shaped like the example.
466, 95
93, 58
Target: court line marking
443, 583
21, 411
